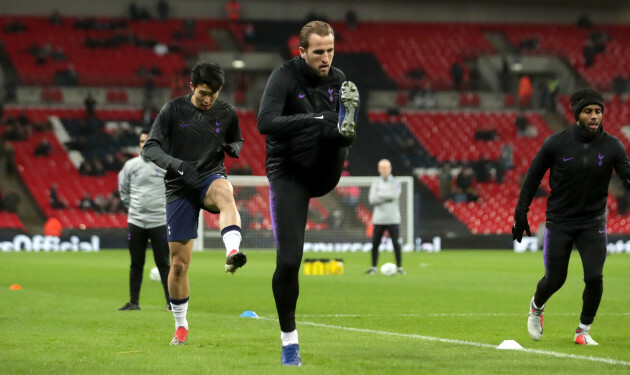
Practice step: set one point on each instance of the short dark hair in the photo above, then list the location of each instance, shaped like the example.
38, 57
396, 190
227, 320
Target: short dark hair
320, 28
209, 73
144, 131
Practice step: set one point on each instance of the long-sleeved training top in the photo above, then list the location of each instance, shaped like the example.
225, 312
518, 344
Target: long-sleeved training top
141, 187
385, 197
580, 173
295, 100
182, 132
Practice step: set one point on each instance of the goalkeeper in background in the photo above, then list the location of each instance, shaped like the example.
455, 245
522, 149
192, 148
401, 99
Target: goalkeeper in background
141, 186
189, 139
581, 159
308, 115
385, 196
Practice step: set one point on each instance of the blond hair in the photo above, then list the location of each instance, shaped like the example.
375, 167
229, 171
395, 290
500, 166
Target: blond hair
320, 28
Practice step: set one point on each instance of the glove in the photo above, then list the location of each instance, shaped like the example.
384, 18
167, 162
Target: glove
188, 173
230, 149
520, 225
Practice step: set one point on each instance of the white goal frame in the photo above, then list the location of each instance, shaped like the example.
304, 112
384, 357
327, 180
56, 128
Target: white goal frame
406, 199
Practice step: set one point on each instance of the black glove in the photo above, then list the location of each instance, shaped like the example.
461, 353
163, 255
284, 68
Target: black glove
520, 225
188, 173
230, 149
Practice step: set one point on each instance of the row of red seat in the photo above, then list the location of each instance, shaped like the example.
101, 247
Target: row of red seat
103, 66
568, 41
451, 135
55, 95
40, 114
402, 47
434, 47
40, 172
10, 220
446, 135
431, 47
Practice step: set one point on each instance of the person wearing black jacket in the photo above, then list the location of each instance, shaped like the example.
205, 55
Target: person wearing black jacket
308, 115
188, 139
581, 159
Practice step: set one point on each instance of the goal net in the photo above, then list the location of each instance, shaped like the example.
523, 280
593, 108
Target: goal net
339, 221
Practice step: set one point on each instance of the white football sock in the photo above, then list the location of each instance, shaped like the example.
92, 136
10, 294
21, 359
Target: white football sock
289, 338
585, 327
179, 312
536, 307
232, 241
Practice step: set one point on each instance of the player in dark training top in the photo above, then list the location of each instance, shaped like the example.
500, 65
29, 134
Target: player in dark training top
581, 159
308, 115
189, 139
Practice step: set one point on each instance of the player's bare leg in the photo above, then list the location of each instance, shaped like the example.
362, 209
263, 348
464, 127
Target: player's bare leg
179, 288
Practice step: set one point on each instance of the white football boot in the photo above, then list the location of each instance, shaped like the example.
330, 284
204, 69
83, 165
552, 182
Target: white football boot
535, 321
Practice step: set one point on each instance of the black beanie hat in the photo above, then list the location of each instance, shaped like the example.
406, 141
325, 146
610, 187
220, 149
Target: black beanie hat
583, 97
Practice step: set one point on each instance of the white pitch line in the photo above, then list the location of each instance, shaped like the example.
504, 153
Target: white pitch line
441, 314
609, 361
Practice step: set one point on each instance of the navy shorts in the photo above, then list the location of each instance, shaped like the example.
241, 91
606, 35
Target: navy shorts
182, 214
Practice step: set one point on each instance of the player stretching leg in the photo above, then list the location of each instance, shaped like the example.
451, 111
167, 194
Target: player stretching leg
308, 114
189, 138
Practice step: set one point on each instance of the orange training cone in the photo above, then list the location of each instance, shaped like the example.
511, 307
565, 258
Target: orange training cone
15, 287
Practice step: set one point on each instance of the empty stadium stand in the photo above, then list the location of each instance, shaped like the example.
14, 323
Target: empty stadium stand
119, 48
568, 41
432, 47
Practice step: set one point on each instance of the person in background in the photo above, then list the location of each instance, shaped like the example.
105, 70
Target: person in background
44, 148
525, 91
521, 122
55, 201
384, 196
457, 75
53, 227
445, 179
233, 10
12, 201
141, 187
163, 10
90, 105
465, 186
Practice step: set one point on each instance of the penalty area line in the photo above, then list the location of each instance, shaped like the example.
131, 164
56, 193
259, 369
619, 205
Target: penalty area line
609, 361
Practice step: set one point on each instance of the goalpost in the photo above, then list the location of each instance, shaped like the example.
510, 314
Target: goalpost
337, 221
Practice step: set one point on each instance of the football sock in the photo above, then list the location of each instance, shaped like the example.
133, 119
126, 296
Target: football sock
536, 307
289, 338
180, 308
231, 238
584, 327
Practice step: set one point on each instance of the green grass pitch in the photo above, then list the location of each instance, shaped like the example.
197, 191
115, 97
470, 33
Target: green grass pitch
446, 316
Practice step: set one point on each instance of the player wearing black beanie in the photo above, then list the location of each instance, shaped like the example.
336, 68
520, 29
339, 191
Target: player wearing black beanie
581, 159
